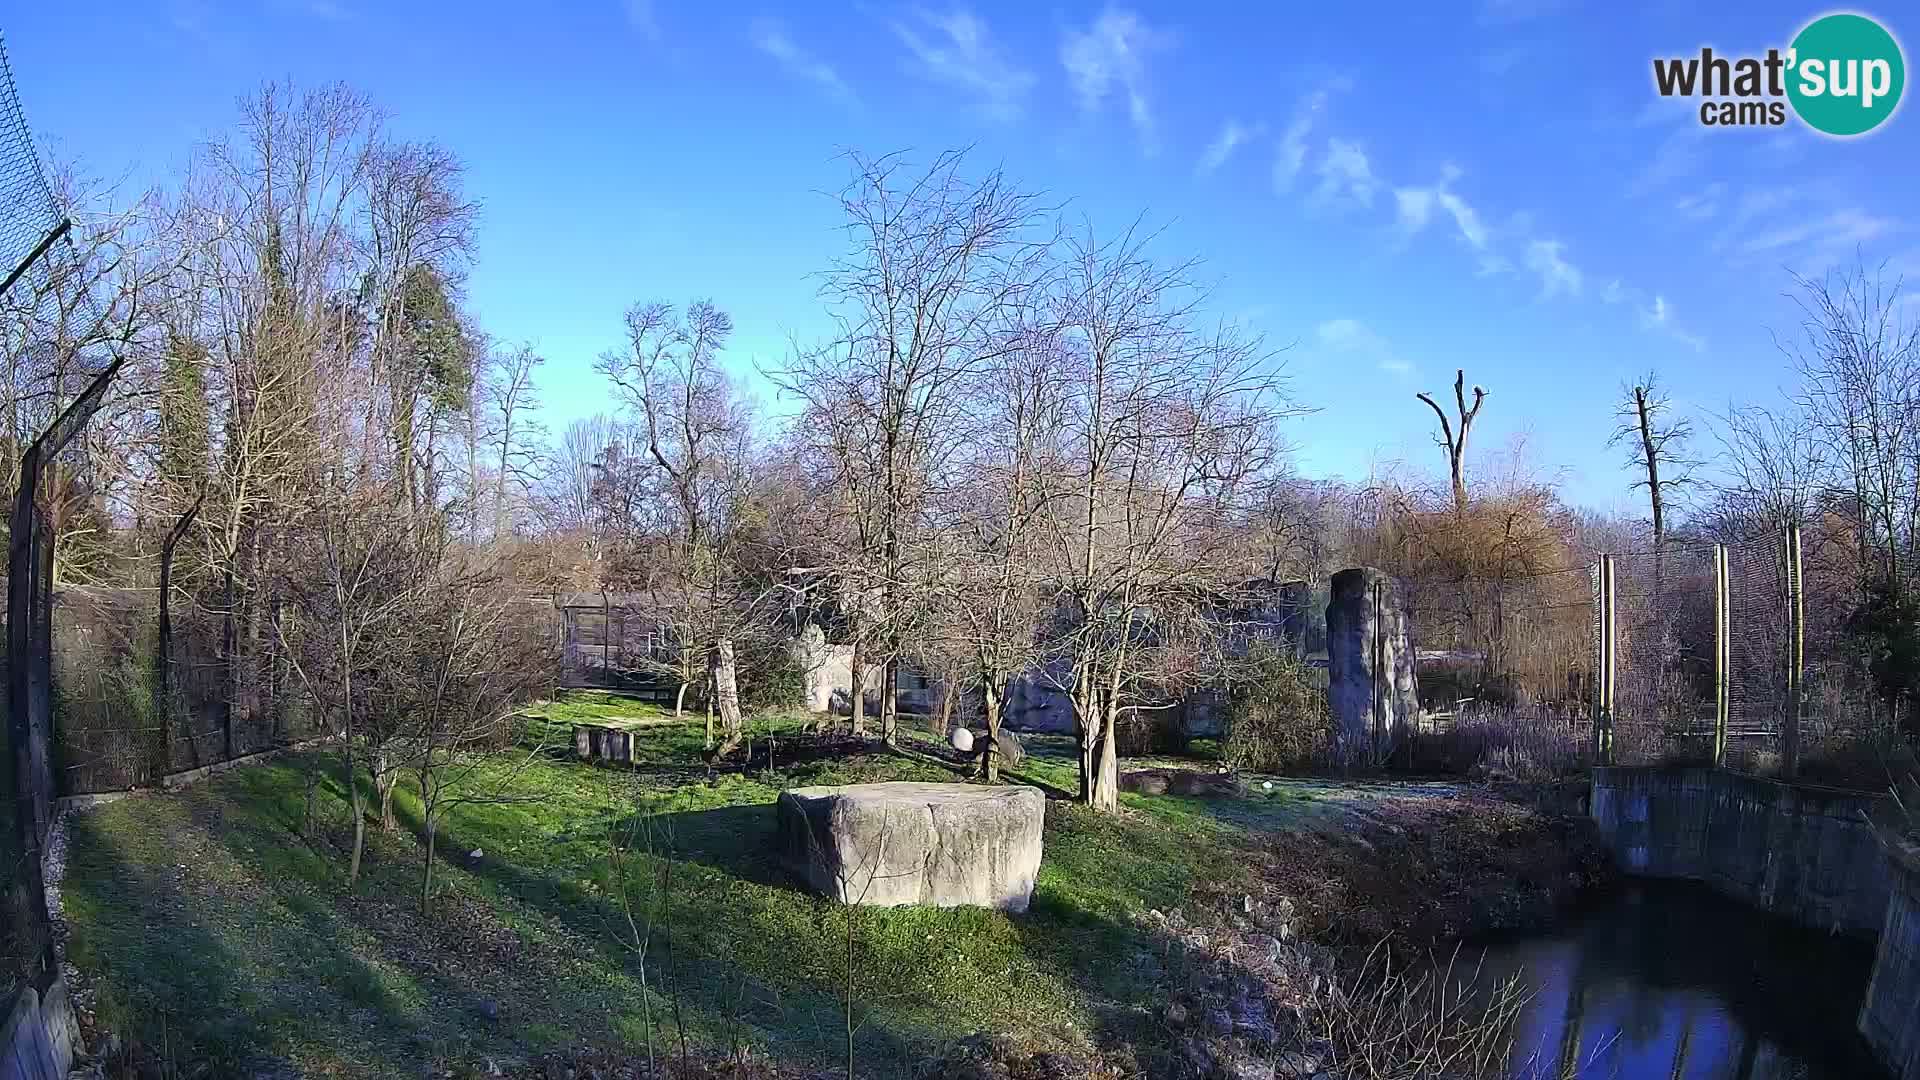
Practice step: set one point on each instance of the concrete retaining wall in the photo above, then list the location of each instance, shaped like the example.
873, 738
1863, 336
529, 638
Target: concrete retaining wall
1807, 853
1890, 1015
1802, 852
37, 1043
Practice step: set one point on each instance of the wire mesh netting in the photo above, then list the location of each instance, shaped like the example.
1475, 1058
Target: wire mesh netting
1759, 625
36, 263
1663, 693
617, 641
37, 256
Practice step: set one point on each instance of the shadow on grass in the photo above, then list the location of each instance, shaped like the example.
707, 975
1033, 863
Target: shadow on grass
200, 982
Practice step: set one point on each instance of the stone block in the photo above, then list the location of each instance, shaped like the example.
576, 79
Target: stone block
890, 844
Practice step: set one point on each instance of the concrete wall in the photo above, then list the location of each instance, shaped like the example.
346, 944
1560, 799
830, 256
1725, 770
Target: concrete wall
1807, 853
1890, 1015
37, 1043
1802, 852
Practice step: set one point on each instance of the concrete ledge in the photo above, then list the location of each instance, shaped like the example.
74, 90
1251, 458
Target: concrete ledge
1810, 854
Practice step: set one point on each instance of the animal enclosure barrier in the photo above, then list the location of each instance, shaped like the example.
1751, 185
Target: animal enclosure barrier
618, 641
36, 258
1699, 651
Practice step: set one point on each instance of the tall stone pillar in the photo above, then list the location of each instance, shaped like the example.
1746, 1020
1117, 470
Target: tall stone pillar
1370, 675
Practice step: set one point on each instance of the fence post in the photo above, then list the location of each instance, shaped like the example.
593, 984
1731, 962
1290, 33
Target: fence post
1722, 652
1796, 653
1603, 681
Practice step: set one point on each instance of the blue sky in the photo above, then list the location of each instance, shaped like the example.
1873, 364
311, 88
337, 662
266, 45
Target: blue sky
1390, 194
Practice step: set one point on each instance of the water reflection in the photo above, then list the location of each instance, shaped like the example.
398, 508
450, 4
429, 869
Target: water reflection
1671, 980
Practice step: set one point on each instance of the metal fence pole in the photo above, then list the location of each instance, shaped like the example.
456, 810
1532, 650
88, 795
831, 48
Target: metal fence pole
1796, 653
1603, 683
1722, 652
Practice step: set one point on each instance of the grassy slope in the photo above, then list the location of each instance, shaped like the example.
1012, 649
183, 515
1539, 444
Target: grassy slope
211, 930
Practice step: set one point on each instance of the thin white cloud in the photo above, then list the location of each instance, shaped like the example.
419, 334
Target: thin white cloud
1703, 204
1355, 338
1658, 317
1109, 58
1653, 313
1416, 206
1231, 138
956, 49
1346, 175
640, 16
1292, 156
770, 37
1491, 264
1839, 230
1547, 259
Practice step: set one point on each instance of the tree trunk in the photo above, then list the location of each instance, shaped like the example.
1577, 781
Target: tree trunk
945, 721
992, 694
857, 669
383, 784
430, 822
680, 699
313, 793
359, 804
1086, 715
230, 645
890, 700
726, 692
1106, 785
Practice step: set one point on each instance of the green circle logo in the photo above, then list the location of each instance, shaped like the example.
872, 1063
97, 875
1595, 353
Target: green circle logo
1845, 74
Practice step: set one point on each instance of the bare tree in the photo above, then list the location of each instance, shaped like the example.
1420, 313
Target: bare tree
1165, 426
1658, 445
367, 568
1858, 357
1452, 444
696, 427
935, 259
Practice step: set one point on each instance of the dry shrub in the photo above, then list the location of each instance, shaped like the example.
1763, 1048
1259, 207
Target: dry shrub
1423, 1019
1277, 717
1506, 744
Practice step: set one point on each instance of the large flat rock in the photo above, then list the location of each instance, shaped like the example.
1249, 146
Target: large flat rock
898, 843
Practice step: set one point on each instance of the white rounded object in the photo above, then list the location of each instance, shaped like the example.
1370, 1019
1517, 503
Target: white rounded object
1267, 784
962, 740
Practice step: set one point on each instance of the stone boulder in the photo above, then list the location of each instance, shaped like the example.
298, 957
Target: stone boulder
890, 844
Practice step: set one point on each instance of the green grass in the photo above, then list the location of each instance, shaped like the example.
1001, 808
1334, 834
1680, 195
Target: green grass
210, 927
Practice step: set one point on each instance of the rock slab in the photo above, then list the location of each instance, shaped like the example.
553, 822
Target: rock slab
1371, 686
892, 844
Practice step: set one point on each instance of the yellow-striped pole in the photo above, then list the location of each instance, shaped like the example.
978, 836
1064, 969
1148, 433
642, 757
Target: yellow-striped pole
1603, 722
1796, 651
1722, 652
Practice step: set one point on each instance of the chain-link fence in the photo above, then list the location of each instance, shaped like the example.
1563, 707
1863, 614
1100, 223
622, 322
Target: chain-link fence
1703, 653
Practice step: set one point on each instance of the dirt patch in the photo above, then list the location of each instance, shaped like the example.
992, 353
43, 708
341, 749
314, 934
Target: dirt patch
1420, 870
